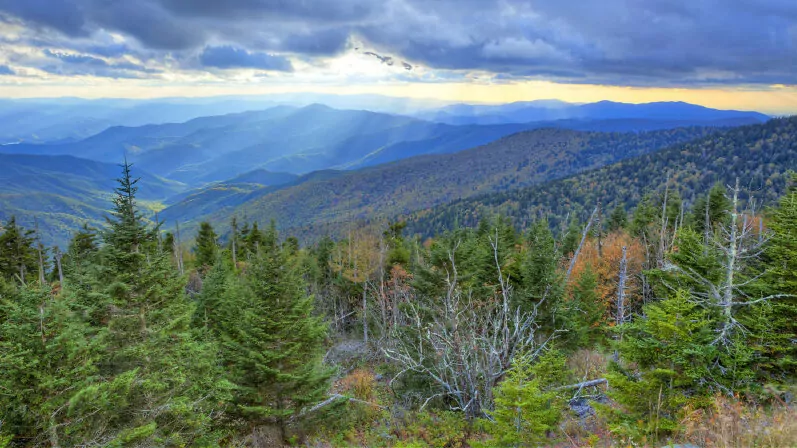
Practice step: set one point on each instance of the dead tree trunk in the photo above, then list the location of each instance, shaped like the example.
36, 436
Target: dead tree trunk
620, 316
581, 244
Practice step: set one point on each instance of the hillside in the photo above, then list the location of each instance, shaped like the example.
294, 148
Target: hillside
63, 192
759, 155
401, 187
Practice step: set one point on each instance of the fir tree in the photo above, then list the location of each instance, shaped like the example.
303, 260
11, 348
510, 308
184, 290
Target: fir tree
542, 283
207, 247
671, 351
583, 312
274, 349
571, 238
710, 210
18, 257
156, 370
49, 355
526, 409
618, 219
776, 323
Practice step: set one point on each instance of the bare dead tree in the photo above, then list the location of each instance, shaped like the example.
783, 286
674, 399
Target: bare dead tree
234, 226
619, 317
40, 249
464, 351
178, 250
58, 255
581, 244
739, 244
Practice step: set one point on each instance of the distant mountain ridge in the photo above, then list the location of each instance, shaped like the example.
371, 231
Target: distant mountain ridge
547, 110
302, 140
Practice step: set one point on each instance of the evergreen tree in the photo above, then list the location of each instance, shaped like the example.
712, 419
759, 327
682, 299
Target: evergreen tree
571, 238
18, 256
84, 243
542, 282
207, 246
583, 312
159, 376
274, 350
618, 219
49, 355
526, 409
672, 354
710, 210
218, 287
776, 323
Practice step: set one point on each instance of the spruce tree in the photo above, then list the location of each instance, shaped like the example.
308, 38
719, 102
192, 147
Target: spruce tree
668, 359
618, 219
542, 282
776, 321
583, 312
526, 407
18, 256
160, 377
49, 354
207, 246
710, 210
274, 348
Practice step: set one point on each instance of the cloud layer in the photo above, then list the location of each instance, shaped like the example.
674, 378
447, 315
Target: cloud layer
616, 42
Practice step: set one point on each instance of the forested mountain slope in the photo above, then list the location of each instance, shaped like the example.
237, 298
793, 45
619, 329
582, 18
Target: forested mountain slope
64, 192
518, 160
760, 155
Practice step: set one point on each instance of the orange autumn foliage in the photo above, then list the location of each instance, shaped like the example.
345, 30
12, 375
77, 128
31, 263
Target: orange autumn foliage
606, 267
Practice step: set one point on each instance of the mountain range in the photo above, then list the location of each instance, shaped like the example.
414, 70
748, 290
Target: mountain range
314, 168
317, 137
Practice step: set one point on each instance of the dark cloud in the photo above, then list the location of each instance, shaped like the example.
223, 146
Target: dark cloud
231, 57
642, 42
300, 10
325, 42
6, 70
63, 15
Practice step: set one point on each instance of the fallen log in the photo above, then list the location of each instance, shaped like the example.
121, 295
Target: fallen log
584, 384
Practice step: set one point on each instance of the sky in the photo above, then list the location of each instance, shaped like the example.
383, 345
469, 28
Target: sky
731, 54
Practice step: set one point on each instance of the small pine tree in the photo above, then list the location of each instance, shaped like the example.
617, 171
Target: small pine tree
618, 219
571, 238
775, 322
711, 209
18, 256
583, 312
207, 247
49, 354
672, 354
542, 282
157, 377
274, 349
526, 408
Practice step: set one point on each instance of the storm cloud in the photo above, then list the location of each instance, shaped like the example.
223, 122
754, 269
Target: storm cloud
616, 42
